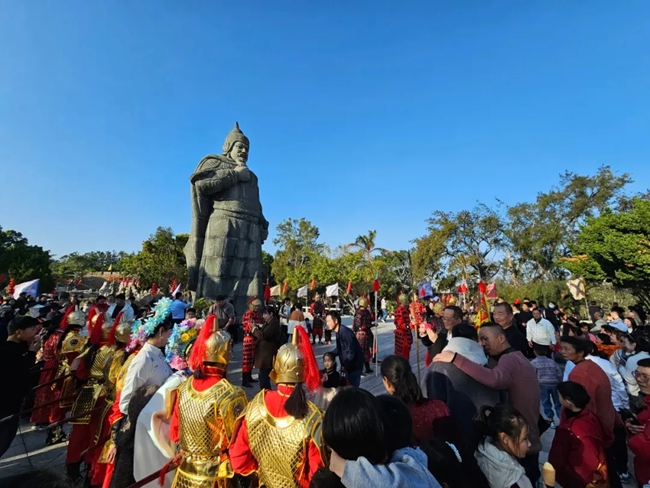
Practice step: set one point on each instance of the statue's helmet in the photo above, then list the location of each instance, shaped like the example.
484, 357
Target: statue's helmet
211, 346
235, 135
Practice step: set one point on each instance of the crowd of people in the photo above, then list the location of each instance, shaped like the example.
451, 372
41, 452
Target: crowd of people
145, 387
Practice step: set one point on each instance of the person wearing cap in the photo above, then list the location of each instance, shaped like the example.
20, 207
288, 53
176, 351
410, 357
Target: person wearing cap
17, 357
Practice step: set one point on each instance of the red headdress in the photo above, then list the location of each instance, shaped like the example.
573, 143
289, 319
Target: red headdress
96, 329
311, 373
64, 319
195, 361
111, 334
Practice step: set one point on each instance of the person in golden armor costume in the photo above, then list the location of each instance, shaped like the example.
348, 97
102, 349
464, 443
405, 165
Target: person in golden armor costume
250, 320
205, 408
88, 408
119, 336
279, 436
362, 324
403, 336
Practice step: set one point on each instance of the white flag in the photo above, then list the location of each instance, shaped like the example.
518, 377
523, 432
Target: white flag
178, 288
276, 291
332, 290
29, 287
302, 292
577, 288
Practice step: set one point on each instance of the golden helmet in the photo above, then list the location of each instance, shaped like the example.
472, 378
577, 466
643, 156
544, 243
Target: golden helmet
218, 348
403, 299
288, 365
105, 322
363, 303
123, 331
211, 346
295, 362
452, 301
77, 318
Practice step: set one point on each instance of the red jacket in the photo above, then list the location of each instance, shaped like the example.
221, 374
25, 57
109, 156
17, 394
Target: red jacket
577, 453
640, 446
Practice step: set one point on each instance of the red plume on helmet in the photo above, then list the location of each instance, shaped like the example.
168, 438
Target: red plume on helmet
111, 334
195, 361
64, 320
310, 371
96, 332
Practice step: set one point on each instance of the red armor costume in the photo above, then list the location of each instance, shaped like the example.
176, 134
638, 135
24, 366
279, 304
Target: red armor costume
283, 450
418, 317
317, 310
249, 320
403, 336
49, 372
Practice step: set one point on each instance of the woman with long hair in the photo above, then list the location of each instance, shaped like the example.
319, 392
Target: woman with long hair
430, 417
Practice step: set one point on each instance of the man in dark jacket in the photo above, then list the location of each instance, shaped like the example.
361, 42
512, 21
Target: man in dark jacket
505, 318
347, 349
17, 357
267, 343
462, 393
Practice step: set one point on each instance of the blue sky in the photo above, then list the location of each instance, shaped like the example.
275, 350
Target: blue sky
362, 115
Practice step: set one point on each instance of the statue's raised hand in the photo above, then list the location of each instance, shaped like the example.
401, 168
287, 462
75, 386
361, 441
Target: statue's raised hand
243, 173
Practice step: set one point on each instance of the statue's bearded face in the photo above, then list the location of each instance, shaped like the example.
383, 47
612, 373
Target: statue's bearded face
239, 153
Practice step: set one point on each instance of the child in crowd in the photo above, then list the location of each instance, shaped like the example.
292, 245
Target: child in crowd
330, 376
577, 453
503, 434
549, 376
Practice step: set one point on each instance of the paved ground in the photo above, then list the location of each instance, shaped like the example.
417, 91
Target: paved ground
38, 456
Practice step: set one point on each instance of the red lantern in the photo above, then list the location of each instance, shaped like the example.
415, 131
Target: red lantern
349, 289
12, 286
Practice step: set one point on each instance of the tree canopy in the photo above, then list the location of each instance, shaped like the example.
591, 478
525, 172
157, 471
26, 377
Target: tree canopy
23, 262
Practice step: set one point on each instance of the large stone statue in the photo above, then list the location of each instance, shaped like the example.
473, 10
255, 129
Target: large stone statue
224, 252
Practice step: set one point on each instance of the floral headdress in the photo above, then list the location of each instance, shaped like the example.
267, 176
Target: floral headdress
182, 336
143, 328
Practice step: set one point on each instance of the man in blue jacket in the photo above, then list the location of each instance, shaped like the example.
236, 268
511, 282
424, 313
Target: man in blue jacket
347, 349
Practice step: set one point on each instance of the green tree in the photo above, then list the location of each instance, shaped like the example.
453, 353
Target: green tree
473, 236
615, 246
23, 262
160, 261
298, 250
540, 233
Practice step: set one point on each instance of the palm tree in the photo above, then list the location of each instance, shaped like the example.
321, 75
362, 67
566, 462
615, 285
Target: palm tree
366, 245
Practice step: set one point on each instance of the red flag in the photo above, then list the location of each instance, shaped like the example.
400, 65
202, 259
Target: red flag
154, 289
481, 287
78, 282
267, 293
285, 286
349, 289
375, 285
312, 285
491, 291
422, 292
462, 288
